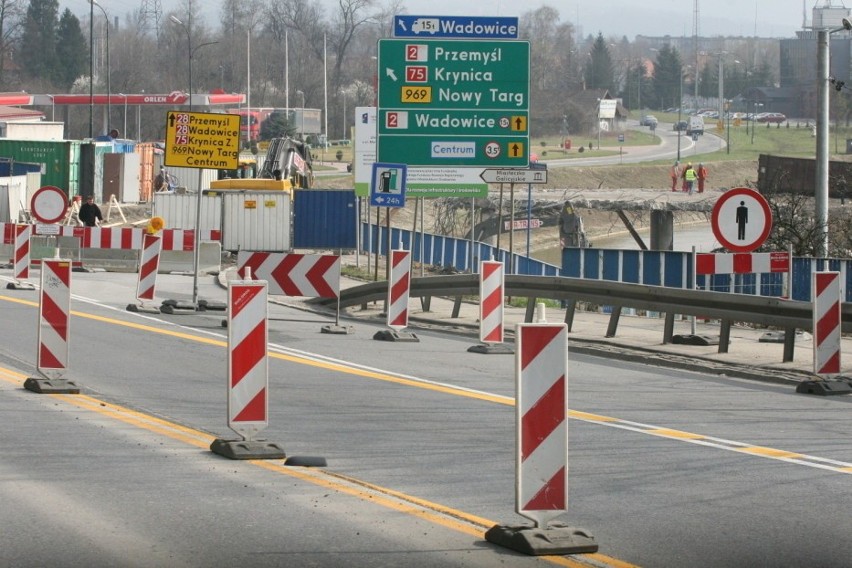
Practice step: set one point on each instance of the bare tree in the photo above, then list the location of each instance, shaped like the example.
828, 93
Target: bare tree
12, 13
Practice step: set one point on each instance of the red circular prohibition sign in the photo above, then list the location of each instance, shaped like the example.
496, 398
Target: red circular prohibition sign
735, 232
49, 204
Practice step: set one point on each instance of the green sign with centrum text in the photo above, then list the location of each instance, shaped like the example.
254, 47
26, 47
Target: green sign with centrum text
453, 103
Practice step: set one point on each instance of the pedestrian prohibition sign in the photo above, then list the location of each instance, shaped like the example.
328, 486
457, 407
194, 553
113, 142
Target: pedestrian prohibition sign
741, 220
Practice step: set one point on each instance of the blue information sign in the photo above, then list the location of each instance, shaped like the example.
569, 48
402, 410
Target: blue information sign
388, 185
455, 27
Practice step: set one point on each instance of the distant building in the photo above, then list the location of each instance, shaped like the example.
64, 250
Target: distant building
798, 58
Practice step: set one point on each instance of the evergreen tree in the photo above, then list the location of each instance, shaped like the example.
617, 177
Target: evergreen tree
599, 69
708, 81
636, 86
72, 51
276, 126
38, 41
667, 77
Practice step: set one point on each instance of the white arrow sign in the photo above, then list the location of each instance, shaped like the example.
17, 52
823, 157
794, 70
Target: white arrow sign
496, 175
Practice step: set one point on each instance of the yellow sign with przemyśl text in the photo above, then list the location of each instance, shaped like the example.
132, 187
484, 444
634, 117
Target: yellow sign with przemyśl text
202, 140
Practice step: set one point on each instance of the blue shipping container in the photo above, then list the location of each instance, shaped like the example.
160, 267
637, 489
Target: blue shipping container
325, 219
12, 168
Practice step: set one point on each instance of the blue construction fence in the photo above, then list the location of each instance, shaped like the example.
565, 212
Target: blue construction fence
671, 269
462, 255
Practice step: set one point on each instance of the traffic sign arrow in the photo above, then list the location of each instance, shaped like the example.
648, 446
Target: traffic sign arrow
496, 175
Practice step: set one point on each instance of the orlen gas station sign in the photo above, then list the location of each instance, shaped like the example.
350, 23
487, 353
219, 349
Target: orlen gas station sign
453, 103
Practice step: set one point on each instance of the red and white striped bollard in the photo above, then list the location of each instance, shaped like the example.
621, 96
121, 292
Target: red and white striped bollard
399, 289
491, 301
149, 265
826, 324
53, 329
541, 461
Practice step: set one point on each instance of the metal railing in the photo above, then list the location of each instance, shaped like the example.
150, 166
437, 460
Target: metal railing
789, 315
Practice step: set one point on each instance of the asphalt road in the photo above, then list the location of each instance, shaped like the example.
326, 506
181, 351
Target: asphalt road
667, 468
667, 148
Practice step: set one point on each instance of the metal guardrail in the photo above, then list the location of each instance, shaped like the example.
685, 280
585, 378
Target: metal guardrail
759, 310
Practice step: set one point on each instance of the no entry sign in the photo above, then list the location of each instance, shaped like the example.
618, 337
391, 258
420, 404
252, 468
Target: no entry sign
741, 220
49, 204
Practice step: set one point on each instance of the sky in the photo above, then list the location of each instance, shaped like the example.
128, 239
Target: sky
766, 18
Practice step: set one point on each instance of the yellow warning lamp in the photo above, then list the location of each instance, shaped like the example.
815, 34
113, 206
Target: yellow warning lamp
155, 225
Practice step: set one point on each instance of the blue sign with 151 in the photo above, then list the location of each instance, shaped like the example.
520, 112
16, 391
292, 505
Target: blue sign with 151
455, 27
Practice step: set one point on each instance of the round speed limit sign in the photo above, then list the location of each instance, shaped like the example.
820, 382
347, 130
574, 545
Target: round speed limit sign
49, 204
492, 149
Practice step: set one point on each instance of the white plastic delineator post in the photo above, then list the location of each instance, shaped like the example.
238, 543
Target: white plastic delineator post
248, 372
149, 265
53, 329
541, 407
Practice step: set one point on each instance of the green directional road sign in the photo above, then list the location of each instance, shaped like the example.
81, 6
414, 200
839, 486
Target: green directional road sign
453, 103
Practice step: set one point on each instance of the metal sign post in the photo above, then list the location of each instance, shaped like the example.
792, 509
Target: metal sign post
200, 140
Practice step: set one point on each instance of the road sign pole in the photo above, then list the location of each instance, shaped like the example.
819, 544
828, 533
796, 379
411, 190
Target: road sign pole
196, 255
199, 140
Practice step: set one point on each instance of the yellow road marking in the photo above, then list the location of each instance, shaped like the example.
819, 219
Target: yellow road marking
769, 452
590, 417
665, 432
442, 515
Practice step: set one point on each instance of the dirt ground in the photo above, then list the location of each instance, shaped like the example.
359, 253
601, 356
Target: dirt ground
721, 175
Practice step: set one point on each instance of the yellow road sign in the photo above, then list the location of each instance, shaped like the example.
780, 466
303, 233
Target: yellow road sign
202, 140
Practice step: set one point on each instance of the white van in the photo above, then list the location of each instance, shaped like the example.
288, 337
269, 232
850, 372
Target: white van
695, 125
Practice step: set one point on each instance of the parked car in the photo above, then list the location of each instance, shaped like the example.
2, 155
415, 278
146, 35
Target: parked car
773, 117
680, 126
648, 120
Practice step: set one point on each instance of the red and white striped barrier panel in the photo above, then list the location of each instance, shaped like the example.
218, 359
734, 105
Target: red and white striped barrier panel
22, 251
826, 325
399, 289
7, 231
742, 263
491, 301
311, 275
149, 264
124, 238
54, 316
541, 375
248, 363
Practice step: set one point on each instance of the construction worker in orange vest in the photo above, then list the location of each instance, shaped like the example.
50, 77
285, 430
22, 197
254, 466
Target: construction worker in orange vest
675, 174
702, 176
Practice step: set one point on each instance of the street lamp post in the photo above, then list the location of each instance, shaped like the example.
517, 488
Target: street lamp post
599, 124
177, 20
91, 71
728, 117
343, 94
125, 113
302, 128
821, 185
191, 50
197, 236
109, 86
754, 105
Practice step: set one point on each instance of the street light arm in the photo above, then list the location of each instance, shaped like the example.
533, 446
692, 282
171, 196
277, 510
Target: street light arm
197, 47
109, 87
